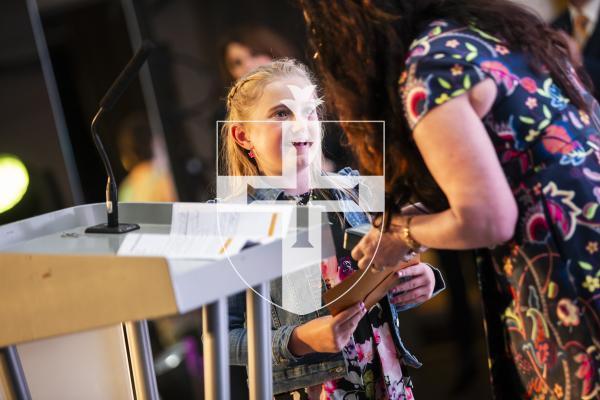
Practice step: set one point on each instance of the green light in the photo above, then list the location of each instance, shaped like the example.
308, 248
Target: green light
14, 181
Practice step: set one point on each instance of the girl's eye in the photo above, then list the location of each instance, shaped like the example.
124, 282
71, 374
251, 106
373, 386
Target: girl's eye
283, 113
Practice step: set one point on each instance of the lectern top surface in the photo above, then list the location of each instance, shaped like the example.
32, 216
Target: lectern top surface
76, 241
62, 231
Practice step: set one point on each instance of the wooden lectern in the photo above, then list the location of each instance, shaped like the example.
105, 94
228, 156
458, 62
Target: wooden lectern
72, 314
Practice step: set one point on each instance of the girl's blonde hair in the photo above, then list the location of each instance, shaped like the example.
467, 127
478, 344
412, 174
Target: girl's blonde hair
241, 99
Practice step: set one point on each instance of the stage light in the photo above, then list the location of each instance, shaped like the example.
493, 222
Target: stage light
14, 181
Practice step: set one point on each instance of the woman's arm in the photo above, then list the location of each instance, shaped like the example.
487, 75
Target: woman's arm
461, 158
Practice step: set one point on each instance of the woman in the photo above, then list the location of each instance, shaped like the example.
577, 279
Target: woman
492, 129
248, 47
357, 354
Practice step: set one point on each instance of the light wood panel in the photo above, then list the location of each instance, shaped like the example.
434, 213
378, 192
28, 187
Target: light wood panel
43, 295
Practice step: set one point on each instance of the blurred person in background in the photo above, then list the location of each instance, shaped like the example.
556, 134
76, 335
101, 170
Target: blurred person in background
579, 24
248, 47
149, 178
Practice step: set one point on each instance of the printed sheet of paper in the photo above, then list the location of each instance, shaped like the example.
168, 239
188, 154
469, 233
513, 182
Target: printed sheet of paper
211, 231
181, 246
258, 222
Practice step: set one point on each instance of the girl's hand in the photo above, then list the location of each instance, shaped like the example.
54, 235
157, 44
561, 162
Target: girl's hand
326, 334
417, 289
391, 251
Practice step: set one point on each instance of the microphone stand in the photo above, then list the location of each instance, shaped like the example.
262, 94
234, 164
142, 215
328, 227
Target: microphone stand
112, 194
112, 198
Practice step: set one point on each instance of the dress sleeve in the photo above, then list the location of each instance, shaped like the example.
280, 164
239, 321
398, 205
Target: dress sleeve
438, 70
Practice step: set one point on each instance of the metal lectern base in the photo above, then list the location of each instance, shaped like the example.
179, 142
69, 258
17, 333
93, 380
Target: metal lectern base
104, 228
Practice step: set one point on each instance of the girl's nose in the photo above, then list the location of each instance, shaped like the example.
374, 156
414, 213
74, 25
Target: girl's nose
299, 125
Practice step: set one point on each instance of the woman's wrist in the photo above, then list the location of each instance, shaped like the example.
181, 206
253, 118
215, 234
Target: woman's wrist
405, 235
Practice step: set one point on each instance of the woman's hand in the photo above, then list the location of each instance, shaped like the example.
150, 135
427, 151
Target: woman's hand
417, 286
326, 334
391, 251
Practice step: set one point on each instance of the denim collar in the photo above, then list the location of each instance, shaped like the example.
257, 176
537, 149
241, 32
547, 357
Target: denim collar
264, 194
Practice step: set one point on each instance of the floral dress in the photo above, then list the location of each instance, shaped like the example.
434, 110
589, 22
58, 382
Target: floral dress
541, 289
375, 369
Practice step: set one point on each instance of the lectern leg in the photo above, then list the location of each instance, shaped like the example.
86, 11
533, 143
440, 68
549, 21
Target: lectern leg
16, 376
260, 369
215, 341
142, 363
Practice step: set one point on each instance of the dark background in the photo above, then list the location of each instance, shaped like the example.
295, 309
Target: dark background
89, 45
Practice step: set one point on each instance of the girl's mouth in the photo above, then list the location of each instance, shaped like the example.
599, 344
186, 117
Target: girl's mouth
301, 145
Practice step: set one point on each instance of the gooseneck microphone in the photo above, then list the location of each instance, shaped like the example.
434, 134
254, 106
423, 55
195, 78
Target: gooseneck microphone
126, 76
106, 104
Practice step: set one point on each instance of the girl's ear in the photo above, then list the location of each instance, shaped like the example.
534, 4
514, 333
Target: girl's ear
240, 136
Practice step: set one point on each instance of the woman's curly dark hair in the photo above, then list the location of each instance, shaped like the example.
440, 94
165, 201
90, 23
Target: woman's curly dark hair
359, 49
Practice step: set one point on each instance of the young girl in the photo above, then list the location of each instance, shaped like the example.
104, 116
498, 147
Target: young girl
358, 354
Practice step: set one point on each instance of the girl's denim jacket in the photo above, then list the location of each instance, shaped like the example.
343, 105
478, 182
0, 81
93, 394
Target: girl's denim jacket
290, 372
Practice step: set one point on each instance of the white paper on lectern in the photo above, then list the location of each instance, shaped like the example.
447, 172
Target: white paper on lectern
181, 246
257, 221
211, 231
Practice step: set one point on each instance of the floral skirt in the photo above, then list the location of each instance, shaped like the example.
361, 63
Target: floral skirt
374, 367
